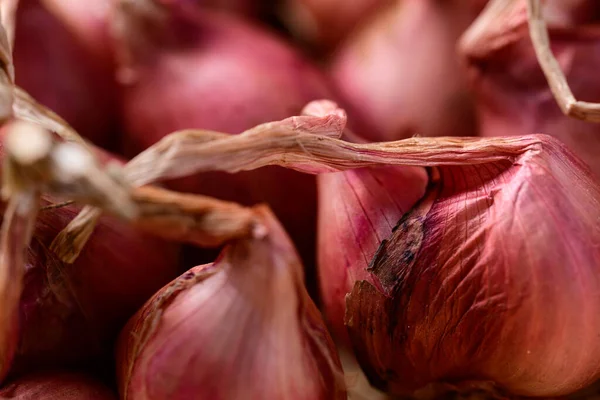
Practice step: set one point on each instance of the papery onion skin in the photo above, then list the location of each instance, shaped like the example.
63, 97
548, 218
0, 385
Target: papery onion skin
513, 96
492, 276
67, 65
220, 73
401, 74
358, 209
241, 327
55, 386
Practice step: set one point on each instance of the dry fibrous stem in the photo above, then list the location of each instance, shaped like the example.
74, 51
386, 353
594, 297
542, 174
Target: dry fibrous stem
62, 168
557, 81
68, 170
309, 144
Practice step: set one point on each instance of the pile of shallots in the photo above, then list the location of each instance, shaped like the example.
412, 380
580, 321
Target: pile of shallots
299, 200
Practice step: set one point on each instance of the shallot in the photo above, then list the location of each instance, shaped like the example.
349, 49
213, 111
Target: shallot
326, 23
71, 313
400, 73
241, 327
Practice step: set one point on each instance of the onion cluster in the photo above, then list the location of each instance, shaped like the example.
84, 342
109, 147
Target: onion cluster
182, 197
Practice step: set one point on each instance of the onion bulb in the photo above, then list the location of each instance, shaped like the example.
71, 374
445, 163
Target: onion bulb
513, 97
491, 277
63, 59
186, 68
241, 327
70, 314
399, 73
56, 386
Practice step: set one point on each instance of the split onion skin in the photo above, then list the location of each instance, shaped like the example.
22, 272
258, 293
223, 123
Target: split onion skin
358, 209
488, 278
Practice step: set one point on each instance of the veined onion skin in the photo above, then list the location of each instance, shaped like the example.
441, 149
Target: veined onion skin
241, 327
490, 277
358, 209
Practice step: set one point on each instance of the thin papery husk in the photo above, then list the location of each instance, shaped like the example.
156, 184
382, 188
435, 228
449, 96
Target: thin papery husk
357, 210
488, 278
241, 327
67, 68
211, 73
400, 73
55, 386
513, 97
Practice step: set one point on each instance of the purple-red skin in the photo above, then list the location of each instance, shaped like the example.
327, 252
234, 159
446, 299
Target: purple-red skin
513, 96
218, 72
67, 69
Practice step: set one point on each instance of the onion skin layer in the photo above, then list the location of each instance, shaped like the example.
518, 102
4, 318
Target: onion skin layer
241, 327
63, 59
513, 97
357, 209
56, 386
492, 276
220, 73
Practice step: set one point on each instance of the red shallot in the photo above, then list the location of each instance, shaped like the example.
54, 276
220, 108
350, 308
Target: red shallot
401, 75
241, 327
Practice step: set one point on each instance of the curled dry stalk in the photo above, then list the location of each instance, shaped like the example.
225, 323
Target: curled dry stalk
67, 170
308, 143
557, 81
